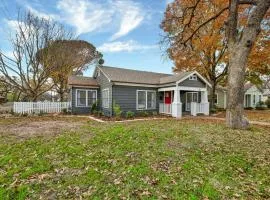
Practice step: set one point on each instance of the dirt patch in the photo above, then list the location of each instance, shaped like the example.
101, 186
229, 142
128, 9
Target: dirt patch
38, 128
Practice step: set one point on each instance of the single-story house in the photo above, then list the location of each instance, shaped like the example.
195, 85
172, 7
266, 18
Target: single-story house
253, 95
140, 91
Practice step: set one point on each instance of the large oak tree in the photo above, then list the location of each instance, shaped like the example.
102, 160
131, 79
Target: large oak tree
242, 21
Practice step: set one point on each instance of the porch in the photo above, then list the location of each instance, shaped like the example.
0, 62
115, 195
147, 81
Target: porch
187, 101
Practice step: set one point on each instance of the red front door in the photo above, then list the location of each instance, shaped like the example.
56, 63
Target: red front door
168, 97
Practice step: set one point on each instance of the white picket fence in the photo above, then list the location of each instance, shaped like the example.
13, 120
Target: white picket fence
37, 107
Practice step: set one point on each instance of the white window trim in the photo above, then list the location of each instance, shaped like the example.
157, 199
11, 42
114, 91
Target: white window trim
193, 77
146, 107
86, 96
106, 89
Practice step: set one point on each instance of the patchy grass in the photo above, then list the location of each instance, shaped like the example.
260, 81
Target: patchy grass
163, 159
253, 115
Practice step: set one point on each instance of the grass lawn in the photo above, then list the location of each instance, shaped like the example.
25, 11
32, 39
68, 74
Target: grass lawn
254, 115
163, 159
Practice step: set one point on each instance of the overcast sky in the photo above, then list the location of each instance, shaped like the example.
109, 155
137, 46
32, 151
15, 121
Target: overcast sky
126, 31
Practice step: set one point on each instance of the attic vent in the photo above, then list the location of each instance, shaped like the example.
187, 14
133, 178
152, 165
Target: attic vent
193, 77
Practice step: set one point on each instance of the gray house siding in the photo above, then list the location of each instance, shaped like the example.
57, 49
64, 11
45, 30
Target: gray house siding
126, 97
193, 83
80, 110
104, 83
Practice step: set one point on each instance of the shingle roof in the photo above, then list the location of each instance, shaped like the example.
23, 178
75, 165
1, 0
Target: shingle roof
116, 74
82, 81
174, 78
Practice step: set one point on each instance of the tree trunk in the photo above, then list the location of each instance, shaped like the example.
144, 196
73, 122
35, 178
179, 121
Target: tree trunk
236, 80
212, 103
239, 50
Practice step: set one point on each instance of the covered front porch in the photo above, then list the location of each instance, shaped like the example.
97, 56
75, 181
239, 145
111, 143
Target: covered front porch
179, 101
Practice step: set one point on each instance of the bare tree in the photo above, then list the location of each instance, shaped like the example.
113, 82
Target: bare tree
23, 71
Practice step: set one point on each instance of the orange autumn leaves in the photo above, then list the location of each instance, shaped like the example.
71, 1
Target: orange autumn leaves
198, 51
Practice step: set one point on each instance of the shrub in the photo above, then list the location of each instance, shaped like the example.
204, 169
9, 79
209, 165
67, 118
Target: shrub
267, 102
99, 113
143, 114
24, 114
94, 107
213, 110
130, 114
64, 110
155, 113
248, 108
260, 105
117, 110
41, 113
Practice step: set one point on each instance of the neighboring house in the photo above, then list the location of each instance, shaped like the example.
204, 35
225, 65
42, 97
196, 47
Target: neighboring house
220, 97
253, 95
266, 91
140, 91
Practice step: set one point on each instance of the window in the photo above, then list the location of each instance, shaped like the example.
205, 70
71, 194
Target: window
254, 99
260, 98
146, 99
193, 77
105, 98
85, 98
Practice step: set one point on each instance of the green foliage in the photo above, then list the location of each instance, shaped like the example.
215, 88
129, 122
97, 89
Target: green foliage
213, 110
143, 114
64, 111
249, 108
95, 107
117, 110
155, 113
41, 113
260, 106
130, 114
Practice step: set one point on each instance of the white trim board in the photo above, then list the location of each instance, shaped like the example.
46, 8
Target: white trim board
106, 89
197, 89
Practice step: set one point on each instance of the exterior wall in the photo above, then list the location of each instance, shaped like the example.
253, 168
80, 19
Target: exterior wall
72, 98
193, 83
255, 96
104, 83
221, 98
126, 97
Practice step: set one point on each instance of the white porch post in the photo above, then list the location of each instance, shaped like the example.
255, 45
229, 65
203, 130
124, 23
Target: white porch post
204, 100
177, 105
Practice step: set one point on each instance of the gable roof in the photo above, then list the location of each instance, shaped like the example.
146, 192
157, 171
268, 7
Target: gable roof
116, 74
175, 77
130, 76
82, 81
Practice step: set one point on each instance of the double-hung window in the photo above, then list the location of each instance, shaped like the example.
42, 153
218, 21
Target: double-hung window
85, 98
105, 98
146, 99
